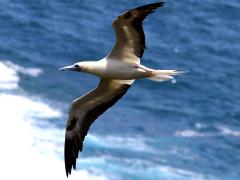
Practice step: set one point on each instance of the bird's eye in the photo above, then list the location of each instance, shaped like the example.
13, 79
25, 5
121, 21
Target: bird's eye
76, 66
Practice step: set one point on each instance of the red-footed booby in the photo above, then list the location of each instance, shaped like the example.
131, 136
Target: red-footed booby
117, 71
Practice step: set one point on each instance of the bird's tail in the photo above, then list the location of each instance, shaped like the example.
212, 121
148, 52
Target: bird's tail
164, 75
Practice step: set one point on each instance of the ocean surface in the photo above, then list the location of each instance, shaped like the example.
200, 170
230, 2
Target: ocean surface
184, 129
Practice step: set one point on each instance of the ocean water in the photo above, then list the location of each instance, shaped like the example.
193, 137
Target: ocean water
183, 129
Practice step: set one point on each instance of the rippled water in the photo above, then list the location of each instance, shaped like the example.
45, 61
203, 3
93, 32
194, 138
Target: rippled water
188, 129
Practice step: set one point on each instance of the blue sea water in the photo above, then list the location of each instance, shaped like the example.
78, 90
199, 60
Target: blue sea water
184, 129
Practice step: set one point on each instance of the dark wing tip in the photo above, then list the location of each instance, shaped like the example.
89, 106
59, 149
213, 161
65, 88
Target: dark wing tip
151, 6
73, 145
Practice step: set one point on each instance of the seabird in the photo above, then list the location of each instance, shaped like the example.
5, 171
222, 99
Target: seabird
118, 70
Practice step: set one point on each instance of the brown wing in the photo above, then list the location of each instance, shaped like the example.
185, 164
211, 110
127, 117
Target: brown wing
130, 38
84, 111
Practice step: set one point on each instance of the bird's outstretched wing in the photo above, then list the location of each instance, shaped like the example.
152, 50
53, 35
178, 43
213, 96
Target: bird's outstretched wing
130, 38
84, 111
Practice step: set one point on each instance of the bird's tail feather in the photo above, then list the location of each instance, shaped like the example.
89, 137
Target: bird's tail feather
164, 75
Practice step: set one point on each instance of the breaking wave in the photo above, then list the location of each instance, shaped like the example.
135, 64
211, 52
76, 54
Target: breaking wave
220, 130
27, 150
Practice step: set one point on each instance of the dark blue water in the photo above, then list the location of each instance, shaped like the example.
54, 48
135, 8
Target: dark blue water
188, 129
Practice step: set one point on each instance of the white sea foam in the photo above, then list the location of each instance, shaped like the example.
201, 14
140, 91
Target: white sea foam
190, 133
29, 71
19, 105
8, 77
228, 132
27, 150
222, 131
9, 74
119, 142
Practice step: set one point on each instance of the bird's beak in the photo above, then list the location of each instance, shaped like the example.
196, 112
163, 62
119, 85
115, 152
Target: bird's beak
68, 68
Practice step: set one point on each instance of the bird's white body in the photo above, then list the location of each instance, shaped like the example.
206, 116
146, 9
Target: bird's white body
124, 70
115, 69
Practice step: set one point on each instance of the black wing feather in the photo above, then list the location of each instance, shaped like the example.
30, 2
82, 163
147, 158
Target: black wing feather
139, 14
77, 129
129, 29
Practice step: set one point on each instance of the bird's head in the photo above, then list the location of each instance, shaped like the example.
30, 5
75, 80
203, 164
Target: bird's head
75, 67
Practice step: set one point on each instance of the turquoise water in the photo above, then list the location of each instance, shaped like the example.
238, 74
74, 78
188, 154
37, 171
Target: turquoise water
188, 129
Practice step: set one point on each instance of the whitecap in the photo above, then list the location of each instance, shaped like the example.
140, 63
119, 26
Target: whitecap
22, 107
228, 132
222, 131
8, 77
29, 151
190, 133
34, 72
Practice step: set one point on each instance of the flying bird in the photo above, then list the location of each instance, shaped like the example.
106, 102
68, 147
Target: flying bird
118, 70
